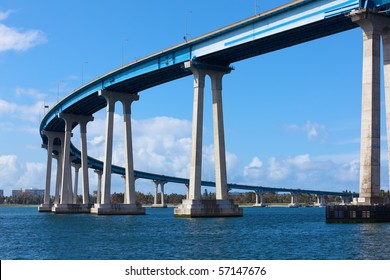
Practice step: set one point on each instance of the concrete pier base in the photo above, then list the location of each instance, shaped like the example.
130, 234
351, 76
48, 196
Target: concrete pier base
294, 205
191, 208
118, 209
367, 200
358, 214
71, 208
260, 205
44, 208
159, 206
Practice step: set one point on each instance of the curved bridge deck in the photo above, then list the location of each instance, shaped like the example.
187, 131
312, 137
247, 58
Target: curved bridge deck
288, 25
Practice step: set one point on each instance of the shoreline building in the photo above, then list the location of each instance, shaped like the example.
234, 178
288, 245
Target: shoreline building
32, 192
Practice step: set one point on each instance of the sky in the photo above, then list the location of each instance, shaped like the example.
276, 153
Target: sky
292, 117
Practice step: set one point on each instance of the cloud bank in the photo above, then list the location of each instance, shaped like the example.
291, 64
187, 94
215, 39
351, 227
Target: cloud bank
16, 39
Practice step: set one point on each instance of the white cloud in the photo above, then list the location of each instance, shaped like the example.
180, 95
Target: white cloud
254, 168
97, 140
314, 131
277, 170
7, 107
30, 113
4, 15
30, 93
301, 162
14, 39
16, 175
160, 144
349, 171
6, 127
8, 170
17, 40
302, 171
32, 176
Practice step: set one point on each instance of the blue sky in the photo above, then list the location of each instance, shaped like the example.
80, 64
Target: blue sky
292, 117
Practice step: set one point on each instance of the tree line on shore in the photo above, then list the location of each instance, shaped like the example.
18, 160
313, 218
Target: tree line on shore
241, 198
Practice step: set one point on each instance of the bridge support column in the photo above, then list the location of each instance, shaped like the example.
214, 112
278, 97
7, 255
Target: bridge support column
58, 157
66, 181
67, 203
76, 181
51, 137
321, 201
99, 187
162, 202
187, 191
129, 207
84, 157
259, 199
195, 206
373, 26
294, 200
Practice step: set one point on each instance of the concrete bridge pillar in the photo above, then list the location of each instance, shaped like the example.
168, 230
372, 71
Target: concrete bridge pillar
194, 206
373, 26
76, 181
162, 202
187, 191
51, 137
125, 189
84, 156
259, 199
66, 183
65, 189
294, 200
344, 200
129, 206
219, 136
321, 201
99, 186
58, 157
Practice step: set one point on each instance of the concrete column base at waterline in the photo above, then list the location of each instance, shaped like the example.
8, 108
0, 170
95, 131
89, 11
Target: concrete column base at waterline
159, 206
44, 208
71, 208
259, 205
192, 208
358, 214
118, 209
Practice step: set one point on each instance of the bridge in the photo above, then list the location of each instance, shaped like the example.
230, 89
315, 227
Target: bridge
208, 55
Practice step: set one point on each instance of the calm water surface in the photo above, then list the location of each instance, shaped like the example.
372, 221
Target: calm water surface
274, 233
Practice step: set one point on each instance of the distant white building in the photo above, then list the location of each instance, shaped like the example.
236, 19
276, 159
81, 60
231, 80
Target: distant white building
31, 191
35, 192
17, 192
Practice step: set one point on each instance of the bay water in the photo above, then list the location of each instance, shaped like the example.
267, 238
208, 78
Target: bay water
271, 233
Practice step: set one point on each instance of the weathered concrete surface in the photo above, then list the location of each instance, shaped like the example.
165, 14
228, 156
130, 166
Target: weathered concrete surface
372, 25
44, 208
191, 208
117, 209
71, 208
159, 206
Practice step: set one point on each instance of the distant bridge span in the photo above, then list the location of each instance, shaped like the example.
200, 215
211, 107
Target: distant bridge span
288, 25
